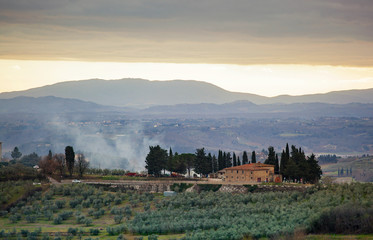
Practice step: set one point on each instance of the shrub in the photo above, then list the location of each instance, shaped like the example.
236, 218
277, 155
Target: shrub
74, 202
60, 204
65, 215
153, 237
80, 219
31, 218
115, 230
94, 231
45, 236
117, 201
14, 218
48, 214
128, 211
180, 187
24, 232
88, 221
3, 213
209, 187
57, 220
121, 237
147, 207
118, 218
251, 188
73, 231
345, 219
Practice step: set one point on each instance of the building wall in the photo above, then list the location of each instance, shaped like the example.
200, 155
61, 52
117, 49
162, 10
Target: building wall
265, 174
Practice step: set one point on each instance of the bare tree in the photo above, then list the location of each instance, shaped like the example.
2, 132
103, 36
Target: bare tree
59, 159
81, 164
47, 165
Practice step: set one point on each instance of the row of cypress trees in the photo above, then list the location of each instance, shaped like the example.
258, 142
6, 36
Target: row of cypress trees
294, 165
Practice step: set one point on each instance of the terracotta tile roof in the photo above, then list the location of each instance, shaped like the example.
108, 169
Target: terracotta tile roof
251, 166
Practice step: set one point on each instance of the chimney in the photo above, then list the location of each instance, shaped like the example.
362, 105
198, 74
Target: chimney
1, 152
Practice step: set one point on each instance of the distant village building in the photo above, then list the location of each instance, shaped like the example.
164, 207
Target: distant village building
250, 173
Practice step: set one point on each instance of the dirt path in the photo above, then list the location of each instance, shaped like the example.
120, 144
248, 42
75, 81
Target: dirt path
53, 181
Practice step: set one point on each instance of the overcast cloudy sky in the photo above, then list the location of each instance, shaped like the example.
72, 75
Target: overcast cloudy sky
240, 45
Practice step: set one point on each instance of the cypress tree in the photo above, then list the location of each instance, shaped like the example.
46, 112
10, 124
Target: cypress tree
224, 160
228, 160
277, 168
238, 161
50, 155
253, 157
245, 158
234, 160
70, 159
271, 156
202, 163
287, 152
220, 160
214, 164
170, 163
283, 161
314, 169
208, 164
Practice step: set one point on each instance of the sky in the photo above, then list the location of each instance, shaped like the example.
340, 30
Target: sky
265, 47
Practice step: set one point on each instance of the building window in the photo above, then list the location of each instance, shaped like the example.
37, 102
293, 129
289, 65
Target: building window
231, 171
237, 171
242, 171
267, 171
251, 172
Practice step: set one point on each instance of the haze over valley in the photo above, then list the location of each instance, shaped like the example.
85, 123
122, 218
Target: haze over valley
114, 122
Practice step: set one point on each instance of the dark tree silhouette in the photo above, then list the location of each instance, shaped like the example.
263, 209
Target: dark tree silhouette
245, 158
156, 160
70, 159
16, 153
81, 164
253, 157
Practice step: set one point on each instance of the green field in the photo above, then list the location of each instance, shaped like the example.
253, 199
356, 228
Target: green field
80, 211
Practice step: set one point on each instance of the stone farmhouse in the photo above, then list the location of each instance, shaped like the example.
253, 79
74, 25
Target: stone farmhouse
250, 173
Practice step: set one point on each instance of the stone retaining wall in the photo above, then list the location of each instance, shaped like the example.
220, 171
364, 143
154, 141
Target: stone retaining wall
160, 187
137, 186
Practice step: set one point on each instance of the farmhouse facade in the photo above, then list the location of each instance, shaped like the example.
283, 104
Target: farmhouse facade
251, 173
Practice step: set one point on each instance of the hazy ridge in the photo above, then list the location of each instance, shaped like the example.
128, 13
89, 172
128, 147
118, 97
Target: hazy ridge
144, 93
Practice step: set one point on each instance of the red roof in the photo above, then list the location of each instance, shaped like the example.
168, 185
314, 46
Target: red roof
251, 166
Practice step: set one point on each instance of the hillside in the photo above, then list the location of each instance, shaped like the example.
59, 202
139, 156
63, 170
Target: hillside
143, 93
136, 92
56, 105
48, 104
248, 109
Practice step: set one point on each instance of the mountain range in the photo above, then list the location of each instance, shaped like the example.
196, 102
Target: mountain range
55, 106
140, 93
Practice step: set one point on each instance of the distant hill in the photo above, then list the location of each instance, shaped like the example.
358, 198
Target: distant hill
248, 109
143, 93
136, 92
49, 104
55, 105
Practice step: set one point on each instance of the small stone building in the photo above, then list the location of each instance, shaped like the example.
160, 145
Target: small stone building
251, 173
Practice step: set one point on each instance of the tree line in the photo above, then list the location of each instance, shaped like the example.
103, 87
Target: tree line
50, 164
160, 160
294, 165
